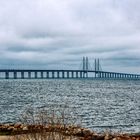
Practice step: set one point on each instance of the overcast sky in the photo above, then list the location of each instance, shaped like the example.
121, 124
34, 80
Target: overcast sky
57, 33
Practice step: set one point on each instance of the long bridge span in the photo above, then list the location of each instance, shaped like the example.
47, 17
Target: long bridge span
85, 72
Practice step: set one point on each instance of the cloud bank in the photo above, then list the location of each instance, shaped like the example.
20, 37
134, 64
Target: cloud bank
57, 33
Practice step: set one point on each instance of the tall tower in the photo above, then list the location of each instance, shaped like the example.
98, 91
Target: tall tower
84, 62
97, 64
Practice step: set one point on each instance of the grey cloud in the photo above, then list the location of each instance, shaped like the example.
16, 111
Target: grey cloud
59, 32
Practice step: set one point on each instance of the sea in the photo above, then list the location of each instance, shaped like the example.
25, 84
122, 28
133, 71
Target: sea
100, 105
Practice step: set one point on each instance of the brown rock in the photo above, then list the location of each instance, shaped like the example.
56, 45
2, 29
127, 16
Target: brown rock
25, 128
107, 137
17, 125
86, 132
10, 128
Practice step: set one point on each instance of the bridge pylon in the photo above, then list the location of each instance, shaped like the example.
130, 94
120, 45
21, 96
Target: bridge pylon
97, 67
85, 66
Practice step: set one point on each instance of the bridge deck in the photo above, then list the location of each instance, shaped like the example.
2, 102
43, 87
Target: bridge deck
38, 73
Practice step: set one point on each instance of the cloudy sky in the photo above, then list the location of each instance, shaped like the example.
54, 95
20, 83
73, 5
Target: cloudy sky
57, 33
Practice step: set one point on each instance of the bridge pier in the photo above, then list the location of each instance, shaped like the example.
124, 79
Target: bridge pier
108, 75
47, 75
15, 75
58, 74
29, 75
98, 75
76, 74
42, 74
115, 75
22, 75
125, 76
81, 74
67, 74
7, 75
103, 75
36, 76
53, 74
72, 74
63, 74
111, 75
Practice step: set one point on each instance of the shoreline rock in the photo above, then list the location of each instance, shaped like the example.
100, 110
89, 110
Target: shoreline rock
82, 133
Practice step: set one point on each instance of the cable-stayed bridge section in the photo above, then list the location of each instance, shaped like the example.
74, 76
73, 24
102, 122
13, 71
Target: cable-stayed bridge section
83, 73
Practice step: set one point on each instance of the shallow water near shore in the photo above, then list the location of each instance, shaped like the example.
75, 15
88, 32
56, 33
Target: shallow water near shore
101, 104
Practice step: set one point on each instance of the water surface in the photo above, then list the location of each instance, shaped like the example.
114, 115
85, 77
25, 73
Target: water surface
102, 104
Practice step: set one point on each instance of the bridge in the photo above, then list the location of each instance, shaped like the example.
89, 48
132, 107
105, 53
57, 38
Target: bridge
85, 72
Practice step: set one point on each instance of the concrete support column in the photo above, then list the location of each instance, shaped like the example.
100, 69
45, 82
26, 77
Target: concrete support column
115, 75
99, 75
81, 74
119, 76
42, 76
72, 74
47, 74
109, 75
112, 75
126, 76
67, 74
53, 74
87, 74
29, 75
76, 74
105, 75
95, 74
36, 75
58, 75
15, 75
22, 75
63, 74
6, 75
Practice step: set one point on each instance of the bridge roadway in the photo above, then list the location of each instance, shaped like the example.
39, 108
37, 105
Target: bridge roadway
61, 74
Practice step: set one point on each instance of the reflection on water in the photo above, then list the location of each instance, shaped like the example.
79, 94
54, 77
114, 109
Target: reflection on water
102, 104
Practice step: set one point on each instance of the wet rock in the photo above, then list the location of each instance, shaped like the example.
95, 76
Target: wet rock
107, 137
10, 128
114, 139
86, 132
25, 128
17, 125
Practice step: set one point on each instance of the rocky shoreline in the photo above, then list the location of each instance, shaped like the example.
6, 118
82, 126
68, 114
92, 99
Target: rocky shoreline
75, 131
